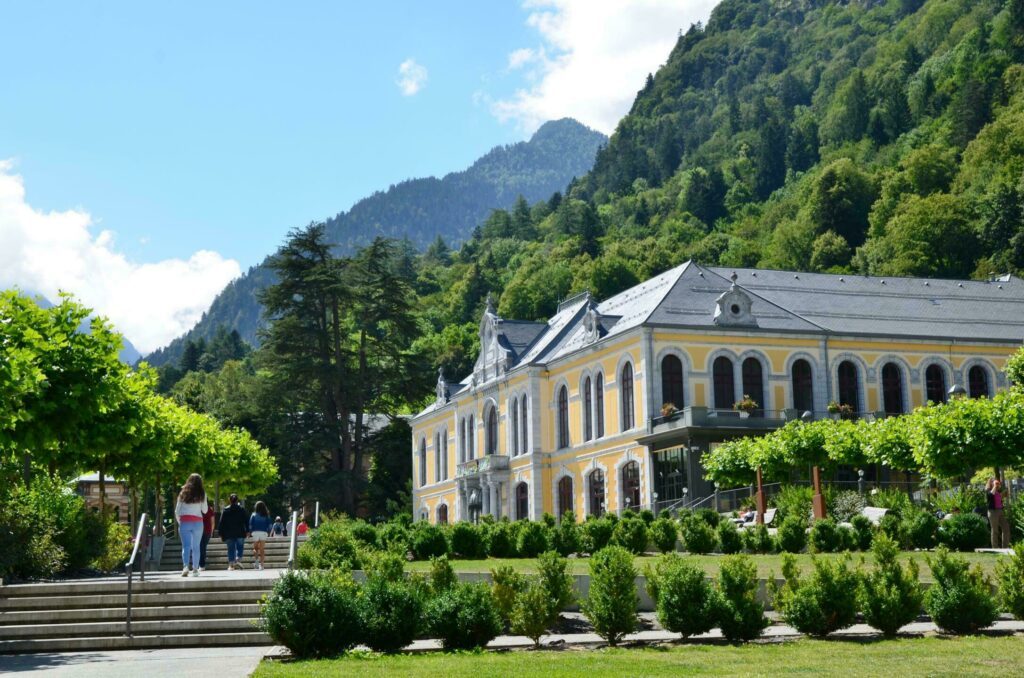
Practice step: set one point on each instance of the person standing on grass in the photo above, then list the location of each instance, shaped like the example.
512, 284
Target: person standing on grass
997, 520
188, 511
259, 528
233, 529
207, 533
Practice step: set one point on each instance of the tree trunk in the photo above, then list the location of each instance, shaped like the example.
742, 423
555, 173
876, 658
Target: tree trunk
103, 491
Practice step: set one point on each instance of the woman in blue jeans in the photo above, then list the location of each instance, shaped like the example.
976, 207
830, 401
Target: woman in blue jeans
233, 529
189, 510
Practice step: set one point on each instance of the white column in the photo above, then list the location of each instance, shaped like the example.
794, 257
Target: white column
494, 507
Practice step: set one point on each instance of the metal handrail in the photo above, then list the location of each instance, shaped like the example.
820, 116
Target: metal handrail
140, 535
293, 539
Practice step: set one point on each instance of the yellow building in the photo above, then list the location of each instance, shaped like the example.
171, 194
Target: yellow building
610, 405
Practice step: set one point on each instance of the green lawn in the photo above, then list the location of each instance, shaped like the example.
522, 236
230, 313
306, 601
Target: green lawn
766, 564
979, 656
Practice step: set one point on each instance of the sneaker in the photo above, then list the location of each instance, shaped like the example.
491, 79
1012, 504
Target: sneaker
195, 573
202, 569
184, 572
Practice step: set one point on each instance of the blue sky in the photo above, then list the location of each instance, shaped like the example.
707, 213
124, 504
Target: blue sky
149, 152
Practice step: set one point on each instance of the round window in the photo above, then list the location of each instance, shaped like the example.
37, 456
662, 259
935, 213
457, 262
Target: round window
735, 308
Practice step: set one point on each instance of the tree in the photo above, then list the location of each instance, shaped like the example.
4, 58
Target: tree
703, 194
840, 200
847, 116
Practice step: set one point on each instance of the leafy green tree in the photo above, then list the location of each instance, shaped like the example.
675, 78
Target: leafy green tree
847, 116
840, 199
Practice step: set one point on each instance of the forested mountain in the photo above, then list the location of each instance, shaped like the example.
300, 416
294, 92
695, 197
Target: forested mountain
421, 210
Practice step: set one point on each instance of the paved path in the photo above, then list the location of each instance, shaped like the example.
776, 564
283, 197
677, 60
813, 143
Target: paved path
227, 662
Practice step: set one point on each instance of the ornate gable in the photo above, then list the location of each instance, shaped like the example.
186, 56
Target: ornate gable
494, 359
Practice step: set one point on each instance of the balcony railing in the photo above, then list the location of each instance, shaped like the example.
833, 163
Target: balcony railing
707, 417
490, 462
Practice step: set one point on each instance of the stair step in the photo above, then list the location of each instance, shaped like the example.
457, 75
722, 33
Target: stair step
139, 628
254, 637
118, 586
238, 610
200, 597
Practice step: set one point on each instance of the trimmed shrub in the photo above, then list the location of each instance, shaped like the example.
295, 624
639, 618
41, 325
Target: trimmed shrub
697, 534
758, 540
566, 537
825, 602
597, 533
792, 536
390, 614
863, 532
611, 605
894, 527
394, 536
959, 601
1010, 572
647, 515
384, 566
364, 533
532, 613
846, 505
442, 575
729, 538
890, 596
547, 519
330, 545
468, 541
117, 546
556, 581
534, 539
501, 540
631, 534
464, 617
964, 532
507, 584
921, 529
825, 536
709, 516
313, 614
741, 615
427, 541
663, 534
686, 601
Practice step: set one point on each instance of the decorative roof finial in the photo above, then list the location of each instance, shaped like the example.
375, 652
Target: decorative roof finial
733, 277
490, 303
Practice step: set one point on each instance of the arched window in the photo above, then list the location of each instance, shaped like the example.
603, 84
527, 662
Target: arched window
626, 395
803, 386
444, 455
565, 496
753, 383
596, 486
892, 389
514, 426
599, 404
423, 461
525, 426
977, 382
631, 485
725, 387
462, 440
442, 514
588, 410
672, 381
935, 384
437, 457
492, 431
472, 437
849, 385
563, 417
522, 501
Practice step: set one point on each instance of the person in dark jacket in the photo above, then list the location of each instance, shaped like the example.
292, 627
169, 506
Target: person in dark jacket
233, 529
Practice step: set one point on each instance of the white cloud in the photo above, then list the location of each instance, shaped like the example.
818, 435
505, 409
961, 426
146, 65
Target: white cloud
50, 252
412, 77
594, 58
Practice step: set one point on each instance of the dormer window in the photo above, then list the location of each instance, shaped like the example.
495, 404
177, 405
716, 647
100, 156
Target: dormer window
733, 307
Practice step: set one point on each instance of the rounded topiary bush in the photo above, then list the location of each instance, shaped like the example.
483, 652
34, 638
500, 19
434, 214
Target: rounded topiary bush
922, 529
686, 601
647, 515
729, 538
566, 537
390, 614
960, 599
663, 534
758, 540
825, 536
427, 541
863, 532
501, 540
364, 533
824, 602
792, 534
468, 541
631, 534
313, 614
597, 533
534, 539
964, 532
697, 534
1011, 581
709, 516
741, 615
330, 545
612, 602
890, 595
394, 536
894, 527
464, 617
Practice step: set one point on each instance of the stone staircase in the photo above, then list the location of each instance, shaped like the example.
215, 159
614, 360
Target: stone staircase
217, 609
217, 554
